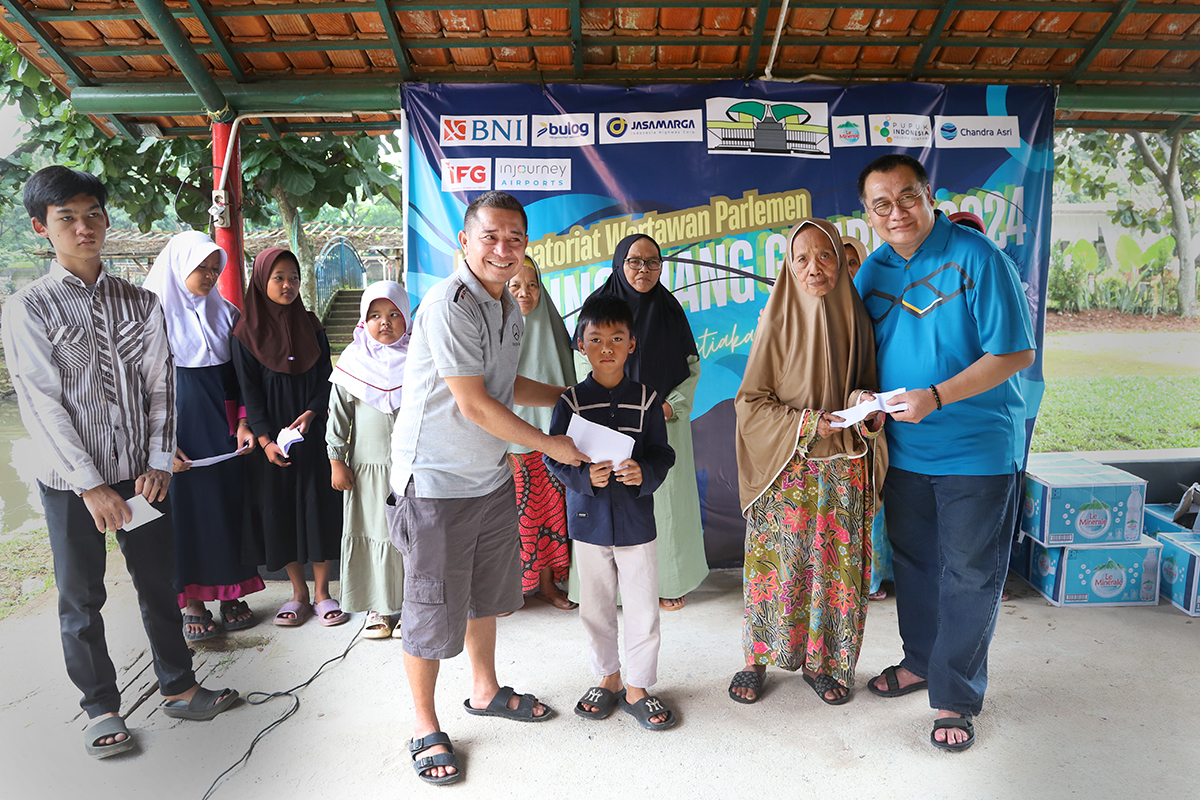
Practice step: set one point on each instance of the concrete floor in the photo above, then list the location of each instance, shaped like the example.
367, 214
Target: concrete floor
1097, 703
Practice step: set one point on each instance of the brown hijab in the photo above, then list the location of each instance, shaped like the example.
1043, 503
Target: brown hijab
282, 338
808, 352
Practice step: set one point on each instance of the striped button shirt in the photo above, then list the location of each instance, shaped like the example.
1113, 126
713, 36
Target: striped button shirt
94, 378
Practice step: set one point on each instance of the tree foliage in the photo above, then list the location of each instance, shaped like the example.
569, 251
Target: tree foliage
156, 177
1166, 169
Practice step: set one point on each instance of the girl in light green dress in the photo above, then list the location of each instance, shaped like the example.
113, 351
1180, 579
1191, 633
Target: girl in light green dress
368, 380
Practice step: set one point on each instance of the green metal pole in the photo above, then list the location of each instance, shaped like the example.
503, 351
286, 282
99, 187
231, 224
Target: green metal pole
1128, 99
162, 22
177, 99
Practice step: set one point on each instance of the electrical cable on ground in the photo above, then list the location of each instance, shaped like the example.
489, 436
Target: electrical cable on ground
265, 696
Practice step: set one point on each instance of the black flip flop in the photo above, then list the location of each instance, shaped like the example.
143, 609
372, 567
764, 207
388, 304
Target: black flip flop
825, 683
894, 688
603, 699
421, 766
202, 636
963, 722
747, 679
230, 613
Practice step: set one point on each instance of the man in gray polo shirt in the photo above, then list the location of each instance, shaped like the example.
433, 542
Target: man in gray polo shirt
455, 513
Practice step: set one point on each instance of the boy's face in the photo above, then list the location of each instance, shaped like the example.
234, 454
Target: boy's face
75, 229
607, 346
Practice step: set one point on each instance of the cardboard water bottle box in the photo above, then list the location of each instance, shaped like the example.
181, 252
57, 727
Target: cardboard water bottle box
1018, 561
1179, 571
1124, 575
1159, 519
1072, 501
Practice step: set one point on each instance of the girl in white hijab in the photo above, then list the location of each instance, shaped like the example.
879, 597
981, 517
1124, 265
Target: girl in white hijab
206, 504
367, 383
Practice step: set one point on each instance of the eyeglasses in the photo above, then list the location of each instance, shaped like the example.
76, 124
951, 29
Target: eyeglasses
906, 202
638, 264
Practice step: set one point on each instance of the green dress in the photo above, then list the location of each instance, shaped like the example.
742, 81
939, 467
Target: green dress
372, 570
808, 564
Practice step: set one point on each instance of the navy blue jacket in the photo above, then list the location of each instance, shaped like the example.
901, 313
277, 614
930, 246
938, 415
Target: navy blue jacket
615, 515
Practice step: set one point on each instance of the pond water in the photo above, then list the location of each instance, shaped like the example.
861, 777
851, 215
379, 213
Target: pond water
20, 505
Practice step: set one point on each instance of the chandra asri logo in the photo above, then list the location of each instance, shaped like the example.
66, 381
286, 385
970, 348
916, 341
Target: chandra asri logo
948, 131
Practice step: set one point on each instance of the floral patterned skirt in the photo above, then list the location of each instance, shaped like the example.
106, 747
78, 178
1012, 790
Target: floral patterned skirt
542, 506
808, 568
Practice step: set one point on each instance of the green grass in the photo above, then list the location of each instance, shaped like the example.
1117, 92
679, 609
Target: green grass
1126, 412
27, 568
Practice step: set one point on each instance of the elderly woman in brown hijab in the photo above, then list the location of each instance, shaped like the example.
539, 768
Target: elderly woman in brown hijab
809, 489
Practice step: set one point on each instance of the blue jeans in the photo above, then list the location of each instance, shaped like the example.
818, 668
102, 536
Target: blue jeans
951, 538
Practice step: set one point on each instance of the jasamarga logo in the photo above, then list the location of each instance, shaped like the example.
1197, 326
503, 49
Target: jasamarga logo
1108, 579
645, 126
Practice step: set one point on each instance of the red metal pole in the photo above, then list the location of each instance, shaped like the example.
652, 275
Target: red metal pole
230, 238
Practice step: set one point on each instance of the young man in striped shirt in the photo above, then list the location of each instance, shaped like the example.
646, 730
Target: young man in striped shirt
95, 381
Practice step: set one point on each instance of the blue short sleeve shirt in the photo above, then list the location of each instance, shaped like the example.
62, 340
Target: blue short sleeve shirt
957, 298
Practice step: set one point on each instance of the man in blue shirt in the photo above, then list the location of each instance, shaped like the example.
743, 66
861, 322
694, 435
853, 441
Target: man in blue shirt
952, 326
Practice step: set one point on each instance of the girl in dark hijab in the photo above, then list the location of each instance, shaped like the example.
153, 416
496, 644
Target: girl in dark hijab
293, 514
666, 360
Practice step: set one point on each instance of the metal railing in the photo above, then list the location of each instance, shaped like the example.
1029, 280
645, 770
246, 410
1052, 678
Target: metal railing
338, 267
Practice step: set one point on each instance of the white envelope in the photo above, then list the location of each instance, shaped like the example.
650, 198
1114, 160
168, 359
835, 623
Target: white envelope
143, 512
859, 412
599, 443
287, 438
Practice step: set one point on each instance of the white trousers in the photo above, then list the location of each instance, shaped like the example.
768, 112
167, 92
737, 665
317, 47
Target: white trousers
634, 572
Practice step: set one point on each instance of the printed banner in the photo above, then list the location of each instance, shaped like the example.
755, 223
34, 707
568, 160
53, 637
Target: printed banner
717, 174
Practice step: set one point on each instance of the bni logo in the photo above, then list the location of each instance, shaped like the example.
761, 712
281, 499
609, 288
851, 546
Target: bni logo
484, 131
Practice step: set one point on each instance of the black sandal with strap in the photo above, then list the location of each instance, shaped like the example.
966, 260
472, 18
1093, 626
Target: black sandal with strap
823, 685
747, 679
423, 766
893, 683
962, 723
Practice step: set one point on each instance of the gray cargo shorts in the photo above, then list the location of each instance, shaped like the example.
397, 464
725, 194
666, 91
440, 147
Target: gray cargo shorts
462, 560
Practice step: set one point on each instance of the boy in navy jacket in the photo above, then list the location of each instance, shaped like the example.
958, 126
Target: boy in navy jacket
610, 517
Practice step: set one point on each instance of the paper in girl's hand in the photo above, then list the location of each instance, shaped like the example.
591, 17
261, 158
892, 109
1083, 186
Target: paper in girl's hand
860, 412
143, 512
287, 438
206, 462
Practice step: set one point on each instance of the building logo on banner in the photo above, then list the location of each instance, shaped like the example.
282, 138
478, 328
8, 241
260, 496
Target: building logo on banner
640, 127
736, 125
901, 130
564, 130
962, 131
849, 131
466, 174
483, 131
533, 174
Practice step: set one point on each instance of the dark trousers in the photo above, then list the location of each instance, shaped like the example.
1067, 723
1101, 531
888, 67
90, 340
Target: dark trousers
79, 561
951, 536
